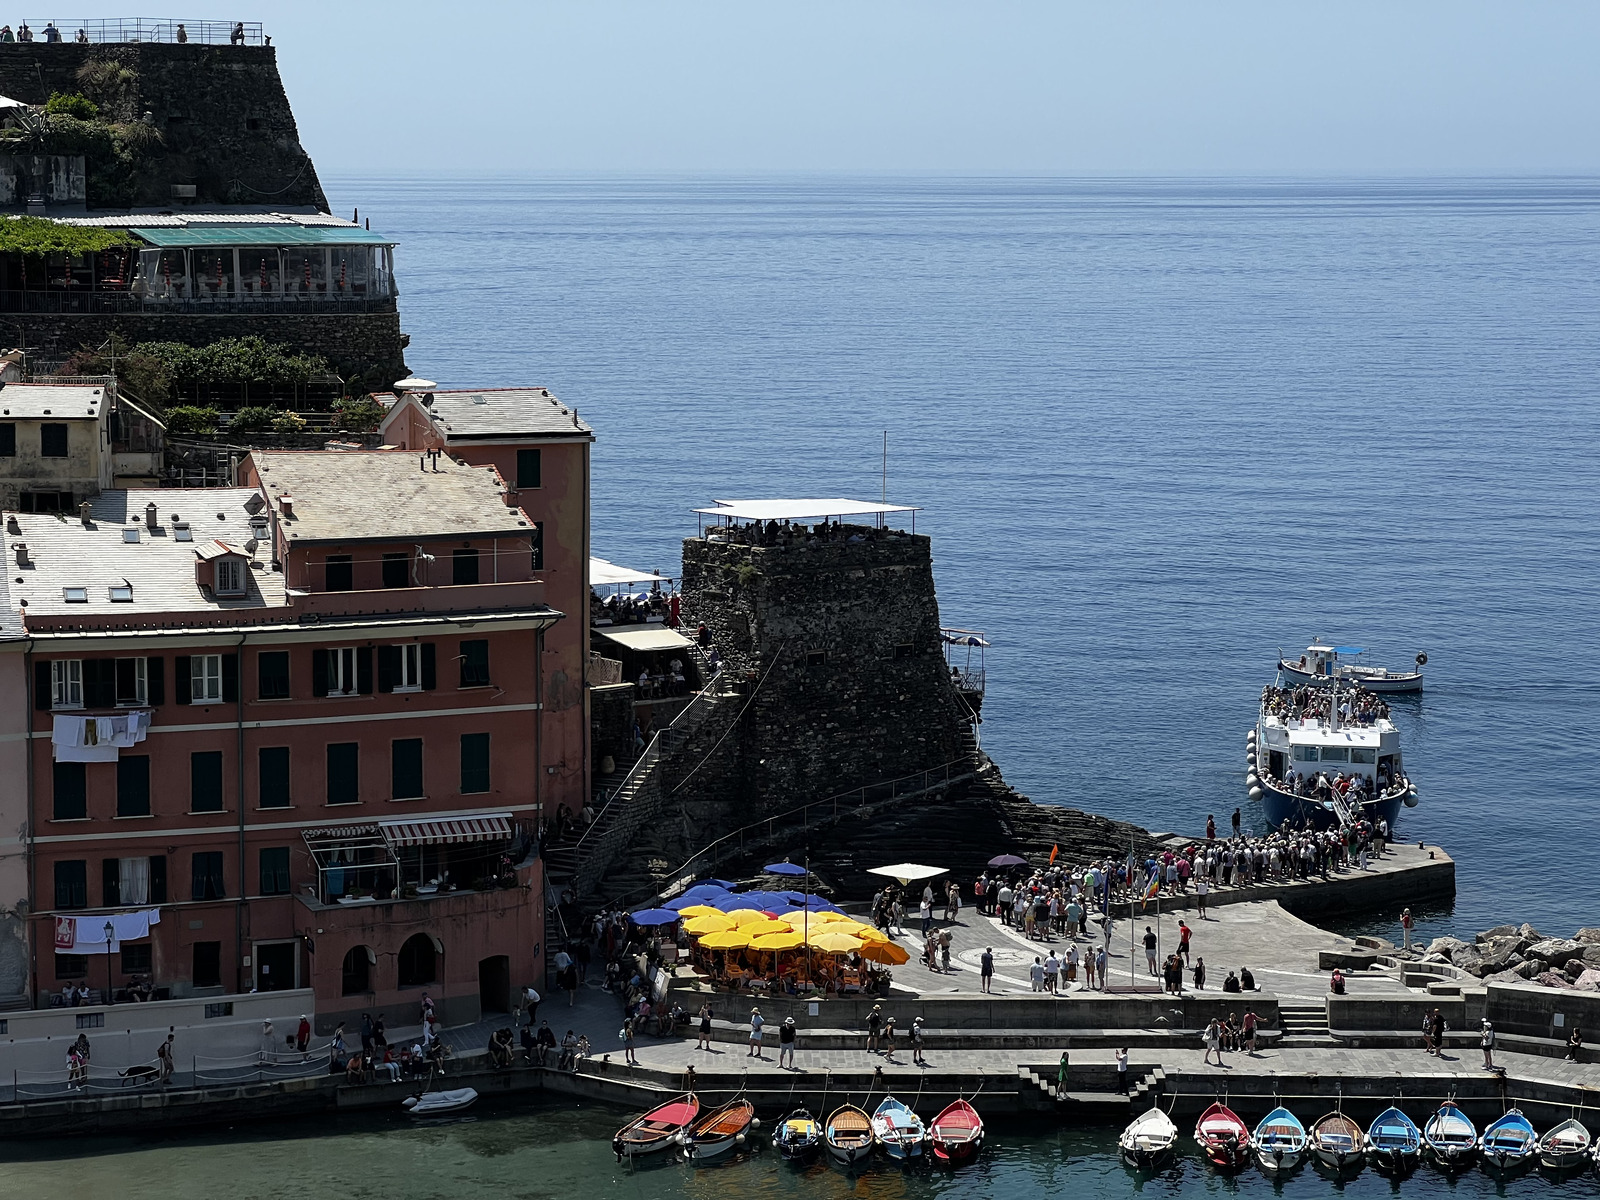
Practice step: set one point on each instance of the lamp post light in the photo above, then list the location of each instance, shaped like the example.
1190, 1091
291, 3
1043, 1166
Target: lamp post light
110, 932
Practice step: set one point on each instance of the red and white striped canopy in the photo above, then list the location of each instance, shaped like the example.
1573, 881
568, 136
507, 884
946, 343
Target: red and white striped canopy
447, 831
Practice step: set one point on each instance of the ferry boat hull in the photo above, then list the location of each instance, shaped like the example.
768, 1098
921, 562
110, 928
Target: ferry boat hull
1280, 808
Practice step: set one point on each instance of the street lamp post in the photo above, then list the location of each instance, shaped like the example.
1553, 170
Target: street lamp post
111, 932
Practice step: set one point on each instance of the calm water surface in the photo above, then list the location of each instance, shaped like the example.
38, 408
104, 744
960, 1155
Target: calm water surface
557, 1154
1158, 429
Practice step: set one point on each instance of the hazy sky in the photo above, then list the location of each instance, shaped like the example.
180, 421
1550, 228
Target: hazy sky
1210, 86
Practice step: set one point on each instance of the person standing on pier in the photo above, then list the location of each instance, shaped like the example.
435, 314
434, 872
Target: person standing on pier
1236, 819
1201, 888
1101, 961
874, 1024
986, 970
164, 1054
1213, 1041
1405, 929
1184, 934
1150, 950
1122, 1071
1486, 1040
755, 1034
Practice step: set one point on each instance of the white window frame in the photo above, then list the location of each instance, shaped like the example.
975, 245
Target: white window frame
66, 683
409, 678
141, 684
342, 671
205, 678
235, 570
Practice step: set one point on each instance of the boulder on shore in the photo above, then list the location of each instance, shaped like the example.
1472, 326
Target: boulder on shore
1529, 932
1589, 981
1552, 979
1589, 933
1447, 946
1511, 976
1556, 951
1499, 931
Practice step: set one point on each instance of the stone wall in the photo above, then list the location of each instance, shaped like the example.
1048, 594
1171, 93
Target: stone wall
229, 131
352, 342
838, 645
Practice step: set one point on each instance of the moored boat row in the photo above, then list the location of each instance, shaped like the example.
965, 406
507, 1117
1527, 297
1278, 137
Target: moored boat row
1335, 1142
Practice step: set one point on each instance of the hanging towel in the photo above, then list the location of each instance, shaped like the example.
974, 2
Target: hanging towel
86, 754
66, 933
67, 731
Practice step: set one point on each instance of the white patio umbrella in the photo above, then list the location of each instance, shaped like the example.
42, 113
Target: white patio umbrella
907, 872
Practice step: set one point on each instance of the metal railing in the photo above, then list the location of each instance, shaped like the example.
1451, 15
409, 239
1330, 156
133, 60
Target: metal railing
67, 301
149, 29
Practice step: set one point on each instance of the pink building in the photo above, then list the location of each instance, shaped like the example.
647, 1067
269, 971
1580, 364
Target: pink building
312, 722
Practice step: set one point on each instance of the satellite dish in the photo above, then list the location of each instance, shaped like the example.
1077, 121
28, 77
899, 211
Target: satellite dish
255, 504
412, 384
250, 546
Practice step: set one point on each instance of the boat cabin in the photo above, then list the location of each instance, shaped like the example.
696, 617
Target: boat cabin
1309, 746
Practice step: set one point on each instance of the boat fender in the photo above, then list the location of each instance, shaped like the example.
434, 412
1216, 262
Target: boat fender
1411, 797
1250, 779
755, 1122
1250, 735
1255, 793
1422, 660
738, 1139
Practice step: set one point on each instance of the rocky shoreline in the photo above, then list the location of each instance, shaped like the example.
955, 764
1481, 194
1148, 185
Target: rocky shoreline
1521, 954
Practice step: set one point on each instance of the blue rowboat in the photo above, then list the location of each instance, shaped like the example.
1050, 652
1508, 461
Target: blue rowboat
1279, 1142
898, 1130
1509, 1144
1450, 1138
1394, 1143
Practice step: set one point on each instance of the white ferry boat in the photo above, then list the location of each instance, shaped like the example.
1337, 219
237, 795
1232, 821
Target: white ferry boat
1327, 755
1326, 664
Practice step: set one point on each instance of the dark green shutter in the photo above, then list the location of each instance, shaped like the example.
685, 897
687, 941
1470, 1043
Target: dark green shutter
155, 683
364, 670
205, 781
474, 762
230, 678
133, 785
182, 693
111, 882
406, 774
319, 672
158, 879
43, 691
430, 674
70, 791
388, 667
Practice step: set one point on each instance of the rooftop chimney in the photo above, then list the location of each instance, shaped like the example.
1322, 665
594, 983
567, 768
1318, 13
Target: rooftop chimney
22, 553
11, 524
150, 515
286, 505
83, 513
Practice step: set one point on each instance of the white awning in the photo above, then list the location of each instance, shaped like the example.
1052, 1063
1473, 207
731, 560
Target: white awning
800, 510
447, 831
603, 573
644, 637
907, 872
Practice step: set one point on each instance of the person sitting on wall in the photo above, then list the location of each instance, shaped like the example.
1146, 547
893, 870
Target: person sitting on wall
1336, 983
1247, 981
1231, 983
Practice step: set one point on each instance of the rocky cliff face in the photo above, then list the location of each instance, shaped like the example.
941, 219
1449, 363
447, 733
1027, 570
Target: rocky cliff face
219, 122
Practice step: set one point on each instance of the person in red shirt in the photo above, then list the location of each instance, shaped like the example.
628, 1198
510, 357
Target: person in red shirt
1184, 934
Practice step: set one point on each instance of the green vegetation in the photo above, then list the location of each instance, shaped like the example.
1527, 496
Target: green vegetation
36, 235
358, 413
748, 574
288, 422
70, 104
253, 417
234, 360
112, 87
192, 418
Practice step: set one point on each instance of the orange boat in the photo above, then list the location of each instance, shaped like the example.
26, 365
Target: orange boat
719, 1130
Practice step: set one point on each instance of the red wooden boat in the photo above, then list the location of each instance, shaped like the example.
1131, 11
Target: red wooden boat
957, 1133
657, 1129
1223, 1138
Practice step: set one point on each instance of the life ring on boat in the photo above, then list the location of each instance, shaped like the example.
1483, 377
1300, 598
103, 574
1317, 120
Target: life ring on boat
1422, 660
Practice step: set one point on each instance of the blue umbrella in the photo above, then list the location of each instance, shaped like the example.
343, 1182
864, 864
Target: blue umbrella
734, 900
795, 897
655, 916
706, 889
783, 868
683, 902
726, 885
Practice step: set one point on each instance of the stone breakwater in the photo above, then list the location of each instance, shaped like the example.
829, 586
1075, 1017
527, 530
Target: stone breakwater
1518, 953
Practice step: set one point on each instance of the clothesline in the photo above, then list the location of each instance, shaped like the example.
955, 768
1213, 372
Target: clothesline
125, 927
96, 739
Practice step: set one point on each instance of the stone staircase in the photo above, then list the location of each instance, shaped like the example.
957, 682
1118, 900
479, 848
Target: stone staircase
1111, 1103
1304, 1024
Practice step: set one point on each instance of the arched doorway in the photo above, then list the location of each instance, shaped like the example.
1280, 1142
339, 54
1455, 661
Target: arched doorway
356, 974
419, 962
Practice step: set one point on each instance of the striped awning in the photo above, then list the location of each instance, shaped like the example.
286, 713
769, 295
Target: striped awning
447, 831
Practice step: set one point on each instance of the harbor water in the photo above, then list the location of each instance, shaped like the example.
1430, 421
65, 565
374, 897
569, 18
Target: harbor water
558, 1153
1158, 429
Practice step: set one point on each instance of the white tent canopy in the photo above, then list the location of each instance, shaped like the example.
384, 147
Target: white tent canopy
603, 573
800, 510
644, 637
907, 872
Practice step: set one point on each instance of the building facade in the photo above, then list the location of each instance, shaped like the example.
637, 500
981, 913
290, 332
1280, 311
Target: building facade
296, 734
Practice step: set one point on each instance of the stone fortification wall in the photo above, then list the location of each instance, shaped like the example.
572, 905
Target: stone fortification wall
222, 111
837, 645
354, 343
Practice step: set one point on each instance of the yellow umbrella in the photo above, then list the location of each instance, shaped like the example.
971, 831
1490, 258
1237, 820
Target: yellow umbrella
834, 943
763, 928
727, 939
778, 941
884, 952
699, 910
746, 916
857, 929
826, 917
710, 923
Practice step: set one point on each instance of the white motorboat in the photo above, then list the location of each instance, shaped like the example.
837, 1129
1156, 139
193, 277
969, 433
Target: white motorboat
440, 1104
1148, 1140
1322, 663
1565, 1147
1328, 756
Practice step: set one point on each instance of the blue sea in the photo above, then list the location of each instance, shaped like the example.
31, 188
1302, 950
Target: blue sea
1157, 429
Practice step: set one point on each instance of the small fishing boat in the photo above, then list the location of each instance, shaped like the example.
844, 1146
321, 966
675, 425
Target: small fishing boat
1337, 1143
657, 1129
798, 1136
956, 1133
1148, 1140
1565, 1147
1509, 1144
898, 1130
1394, 1143
1223, 1138
1322, 663
440, 1104
719, 1131
1451, 1140
848, 1135
1279, 1142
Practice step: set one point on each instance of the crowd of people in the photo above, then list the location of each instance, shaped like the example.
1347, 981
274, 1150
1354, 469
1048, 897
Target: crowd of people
1356, 706
786, 533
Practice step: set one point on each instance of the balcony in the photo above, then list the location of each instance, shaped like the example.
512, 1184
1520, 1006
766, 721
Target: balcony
462, 597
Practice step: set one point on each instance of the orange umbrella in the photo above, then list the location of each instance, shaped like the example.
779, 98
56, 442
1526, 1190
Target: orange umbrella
884, 952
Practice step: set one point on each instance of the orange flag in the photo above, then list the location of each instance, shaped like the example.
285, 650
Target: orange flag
1054, 850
